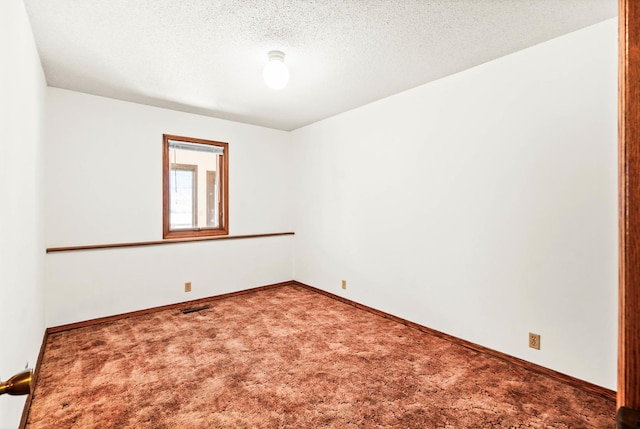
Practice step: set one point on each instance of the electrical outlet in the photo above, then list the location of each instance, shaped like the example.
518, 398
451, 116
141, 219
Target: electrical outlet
187, 287
344, 284
534, 341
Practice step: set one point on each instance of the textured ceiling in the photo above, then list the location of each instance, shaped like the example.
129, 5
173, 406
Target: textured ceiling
206, 56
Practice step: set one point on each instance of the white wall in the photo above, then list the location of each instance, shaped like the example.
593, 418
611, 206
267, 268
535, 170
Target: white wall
482, 205
104, 185
22, 87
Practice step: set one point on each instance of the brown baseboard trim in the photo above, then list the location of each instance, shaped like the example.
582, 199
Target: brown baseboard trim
36, 373
180, 306
572, 381
567, 379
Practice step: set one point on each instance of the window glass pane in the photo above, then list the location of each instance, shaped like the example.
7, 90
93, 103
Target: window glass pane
182, 198
191, 199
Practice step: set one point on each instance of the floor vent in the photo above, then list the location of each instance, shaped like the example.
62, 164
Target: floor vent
194, 309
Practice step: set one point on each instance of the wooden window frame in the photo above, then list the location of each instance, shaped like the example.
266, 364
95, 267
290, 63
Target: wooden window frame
223, 212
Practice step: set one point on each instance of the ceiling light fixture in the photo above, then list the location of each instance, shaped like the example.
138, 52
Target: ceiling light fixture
275, 73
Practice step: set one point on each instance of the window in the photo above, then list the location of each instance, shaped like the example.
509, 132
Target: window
195, 187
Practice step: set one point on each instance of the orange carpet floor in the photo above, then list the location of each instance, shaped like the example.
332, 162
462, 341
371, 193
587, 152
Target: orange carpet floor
289, 357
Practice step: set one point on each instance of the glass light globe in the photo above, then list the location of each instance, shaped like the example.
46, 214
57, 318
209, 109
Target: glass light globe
275, 73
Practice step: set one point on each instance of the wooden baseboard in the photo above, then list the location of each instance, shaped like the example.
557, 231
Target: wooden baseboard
36, 373
180, 305
572, 381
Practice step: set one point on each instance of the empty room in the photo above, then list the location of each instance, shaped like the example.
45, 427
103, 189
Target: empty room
338, 214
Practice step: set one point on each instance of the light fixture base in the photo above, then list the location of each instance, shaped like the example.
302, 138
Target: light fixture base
276, 56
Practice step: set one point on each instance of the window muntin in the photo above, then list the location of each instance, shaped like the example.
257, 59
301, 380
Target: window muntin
195, 187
